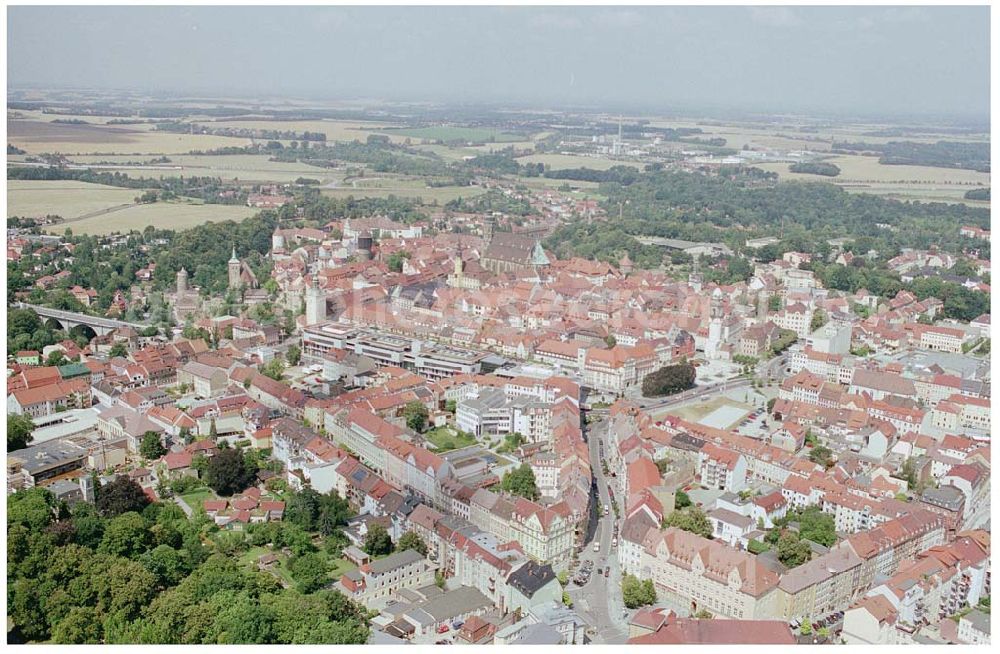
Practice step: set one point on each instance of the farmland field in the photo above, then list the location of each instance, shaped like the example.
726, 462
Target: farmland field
866, 174
69, 199
36, 137
244, 167
164, 215
335, 130
444, 133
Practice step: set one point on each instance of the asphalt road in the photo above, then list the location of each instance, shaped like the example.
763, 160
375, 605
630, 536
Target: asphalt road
599, 601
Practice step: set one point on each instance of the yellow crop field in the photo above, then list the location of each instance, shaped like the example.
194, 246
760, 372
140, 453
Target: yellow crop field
69, 199
164, 215
244, 167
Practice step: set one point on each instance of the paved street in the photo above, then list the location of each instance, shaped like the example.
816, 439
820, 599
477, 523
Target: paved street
599, 602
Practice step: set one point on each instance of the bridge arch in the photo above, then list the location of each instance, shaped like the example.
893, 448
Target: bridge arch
54, 324
86, 331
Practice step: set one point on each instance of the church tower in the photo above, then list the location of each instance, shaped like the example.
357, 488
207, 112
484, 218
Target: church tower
234, 270
182, 282
489, 226
695, 278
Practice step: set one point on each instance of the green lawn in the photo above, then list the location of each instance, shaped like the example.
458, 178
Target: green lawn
195, 498
339, 566
446, 439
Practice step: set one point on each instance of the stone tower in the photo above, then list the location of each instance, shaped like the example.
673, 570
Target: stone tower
694, 279
277, 240
234, 270
365, 245
489, 226
315, 305
762, 303
182, 282
714, 325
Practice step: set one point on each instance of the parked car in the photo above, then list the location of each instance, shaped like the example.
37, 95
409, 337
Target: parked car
443, 629
597, 546
607, 571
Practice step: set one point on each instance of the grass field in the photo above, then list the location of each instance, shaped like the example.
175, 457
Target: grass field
559, 161
446, 439
37, 137
68, 199
196, 497
163, 215
445, 133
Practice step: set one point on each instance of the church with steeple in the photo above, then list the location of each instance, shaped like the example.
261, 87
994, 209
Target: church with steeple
240, 274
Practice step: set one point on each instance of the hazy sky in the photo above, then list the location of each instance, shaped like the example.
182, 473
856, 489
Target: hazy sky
870, 60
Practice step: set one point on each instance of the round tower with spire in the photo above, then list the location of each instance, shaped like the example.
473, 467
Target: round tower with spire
234, 270
182, 282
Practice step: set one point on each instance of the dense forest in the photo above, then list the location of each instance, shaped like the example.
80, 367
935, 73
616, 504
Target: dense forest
978, 194
942, 154
732, 209
815, 168
240, 132
130, 571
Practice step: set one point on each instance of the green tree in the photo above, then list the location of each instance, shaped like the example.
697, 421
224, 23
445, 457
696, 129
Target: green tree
273, 369
151, 446
294, 355
822, 455
227, 472
122, 495
19, 428
309, 572
56, 358
637, 593
521, 482
792, 551
118, 349
669, 380
681, 500
818, 320
690, 519
81, 626
377, 541
126, 535
817, 526
416, 415
412, 541
33, 507
167, 564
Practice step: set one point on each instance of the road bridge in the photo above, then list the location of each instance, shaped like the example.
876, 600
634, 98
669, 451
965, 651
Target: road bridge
68, 319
